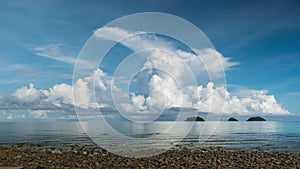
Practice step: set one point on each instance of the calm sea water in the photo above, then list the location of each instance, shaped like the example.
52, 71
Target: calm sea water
266, 136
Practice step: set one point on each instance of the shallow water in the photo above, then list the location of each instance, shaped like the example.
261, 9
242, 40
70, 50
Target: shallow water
266, 136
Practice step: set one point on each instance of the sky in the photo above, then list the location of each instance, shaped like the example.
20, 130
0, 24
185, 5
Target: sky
257, 42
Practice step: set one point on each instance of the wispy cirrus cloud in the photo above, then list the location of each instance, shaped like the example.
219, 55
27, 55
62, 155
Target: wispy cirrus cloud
297, 93
23, 69
53, 51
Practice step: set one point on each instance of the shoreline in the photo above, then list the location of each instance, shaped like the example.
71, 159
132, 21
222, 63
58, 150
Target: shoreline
83, 157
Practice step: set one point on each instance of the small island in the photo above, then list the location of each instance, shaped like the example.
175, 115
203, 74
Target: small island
232, 119
257, 118
195, 119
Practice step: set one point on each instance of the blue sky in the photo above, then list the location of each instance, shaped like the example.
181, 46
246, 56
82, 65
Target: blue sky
262, 36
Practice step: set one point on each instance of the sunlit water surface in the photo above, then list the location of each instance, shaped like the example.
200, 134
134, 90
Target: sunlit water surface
266, 136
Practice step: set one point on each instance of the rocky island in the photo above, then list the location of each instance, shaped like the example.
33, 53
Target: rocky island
257, 118
195, 119
232, 119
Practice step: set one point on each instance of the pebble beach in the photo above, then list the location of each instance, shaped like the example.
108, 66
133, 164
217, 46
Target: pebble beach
80, 157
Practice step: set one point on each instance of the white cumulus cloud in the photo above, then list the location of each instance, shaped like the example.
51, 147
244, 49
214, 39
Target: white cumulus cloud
164, 90
166, 55
163, 93
218, 100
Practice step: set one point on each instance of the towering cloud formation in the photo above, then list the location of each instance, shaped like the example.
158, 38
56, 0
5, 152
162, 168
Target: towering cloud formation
167, 68
164, 93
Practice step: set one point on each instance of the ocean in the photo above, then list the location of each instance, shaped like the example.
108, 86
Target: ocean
265, 136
